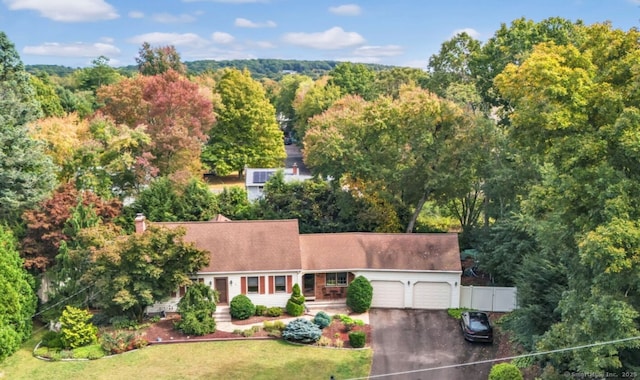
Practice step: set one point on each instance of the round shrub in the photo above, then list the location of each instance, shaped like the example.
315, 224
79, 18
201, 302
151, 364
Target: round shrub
241, 307
322, 319
302, 330
505, 371
359, 295
357, 339
261, 310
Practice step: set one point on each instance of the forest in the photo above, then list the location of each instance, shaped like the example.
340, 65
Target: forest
527, 145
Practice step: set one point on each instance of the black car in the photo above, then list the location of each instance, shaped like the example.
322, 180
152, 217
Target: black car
476, 326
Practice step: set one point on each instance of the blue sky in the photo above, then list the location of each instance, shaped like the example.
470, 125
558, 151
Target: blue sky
393, 32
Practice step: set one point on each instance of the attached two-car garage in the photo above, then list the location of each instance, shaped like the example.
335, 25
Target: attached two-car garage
416, 293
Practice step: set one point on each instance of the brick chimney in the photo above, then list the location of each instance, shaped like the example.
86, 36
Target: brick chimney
295, 168
140, 224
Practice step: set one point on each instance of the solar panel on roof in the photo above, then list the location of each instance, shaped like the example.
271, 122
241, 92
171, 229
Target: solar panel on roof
261, 177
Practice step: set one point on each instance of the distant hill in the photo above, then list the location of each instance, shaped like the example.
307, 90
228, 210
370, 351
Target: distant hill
259, 68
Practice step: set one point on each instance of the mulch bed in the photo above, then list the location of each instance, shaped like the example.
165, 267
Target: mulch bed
163, 332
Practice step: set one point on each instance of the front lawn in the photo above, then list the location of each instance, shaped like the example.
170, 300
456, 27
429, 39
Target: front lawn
245, 359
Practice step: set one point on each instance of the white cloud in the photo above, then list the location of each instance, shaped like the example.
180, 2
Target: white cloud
136, 14
244, 23
379, 51
346, 10
334, 38
222, 38
67, 10
167, 18
470, 31
175, 39
262, 44
78, 49
227, 1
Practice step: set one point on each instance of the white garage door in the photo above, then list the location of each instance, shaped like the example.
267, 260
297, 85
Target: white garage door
387, 294
432, 295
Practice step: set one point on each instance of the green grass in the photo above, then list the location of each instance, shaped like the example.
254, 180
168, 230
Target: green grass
243, 359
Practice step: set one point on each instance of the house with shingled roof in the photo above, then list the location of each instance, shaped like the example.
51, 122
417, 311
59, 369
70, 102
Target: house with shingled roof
263, 259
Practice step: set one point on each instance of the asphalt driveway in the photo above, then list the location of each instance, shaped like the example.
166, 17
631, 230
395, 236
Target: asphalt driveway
414, 340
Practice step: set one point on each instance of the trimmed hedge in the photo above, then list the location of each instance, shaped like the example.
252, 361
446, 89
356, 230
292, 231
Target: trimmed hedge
357, 339
241, 307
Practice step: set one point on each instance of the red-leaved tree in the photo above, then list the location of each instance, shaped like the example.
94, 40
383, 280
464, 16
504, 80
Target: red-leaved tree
46, 223
176, 112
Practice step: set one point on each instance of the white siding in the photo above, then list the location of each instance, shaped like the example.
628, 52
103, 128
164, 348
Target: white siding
432, 295
387, 294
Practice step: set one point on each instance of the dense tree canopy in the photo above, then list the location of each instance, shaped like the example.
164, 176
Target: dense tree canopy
136, 271
408, 148
247, 132
574, 111
173, 111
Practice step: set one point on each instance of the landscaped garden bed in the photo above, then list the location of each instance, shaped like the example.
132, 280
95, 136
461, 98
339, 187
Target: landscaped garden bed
163, 331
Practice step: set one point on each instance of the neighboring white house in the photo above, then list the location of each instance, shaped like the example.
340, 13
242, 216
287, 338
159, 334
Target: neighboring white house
264, 259
255, 178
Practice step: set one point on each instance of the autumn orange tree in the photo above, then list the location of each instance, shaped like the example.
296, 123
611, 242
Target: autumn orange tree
174, 112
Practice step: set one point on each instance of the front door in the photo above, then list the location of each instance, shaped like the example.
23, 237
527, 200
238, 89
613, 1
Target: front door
221, 287
309, 285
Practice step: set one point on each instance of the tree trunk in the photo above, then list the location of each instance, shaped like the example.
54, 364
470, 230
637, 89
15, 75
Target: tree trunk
416, 213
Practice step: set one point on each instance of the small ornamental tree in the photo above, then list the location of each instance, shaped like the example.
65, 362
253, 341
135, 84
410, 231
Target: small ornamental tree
241, 307
302, 330
196, 310
505, 371
359, 295
76, 328
295, 305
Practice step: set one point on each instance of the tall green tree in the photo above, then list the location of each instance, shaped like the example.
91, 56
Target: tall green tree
452, 64
168, 201
574, 111
18, 103
353, 79
388, 82
313, 98
26, 173
17, 298
159, 60
247, 132
136, 271
512, 44
46, 95
409, 148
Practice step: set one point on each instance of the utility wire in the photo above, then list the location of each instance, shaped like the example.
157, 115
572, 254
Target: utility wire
566, 349
63, 300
